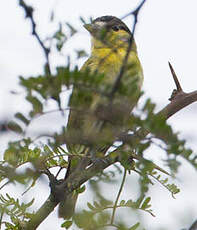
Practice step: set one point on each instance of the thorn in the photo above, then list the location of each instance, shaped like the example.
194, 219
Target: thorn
177, 83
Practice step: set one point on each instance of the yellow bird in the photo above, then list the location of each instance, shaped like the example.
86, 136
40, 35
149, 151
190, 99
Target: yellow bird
96, 115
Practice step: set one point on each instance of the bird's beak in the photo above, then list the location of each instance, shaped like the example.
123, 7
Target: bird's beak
89, 27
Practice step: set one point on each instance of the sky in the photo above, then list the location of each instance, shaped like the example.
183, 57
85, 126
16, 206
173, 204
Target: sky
166, 31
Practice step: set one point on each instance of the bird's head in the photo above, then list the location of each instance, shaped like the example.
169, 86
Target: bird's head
109, 31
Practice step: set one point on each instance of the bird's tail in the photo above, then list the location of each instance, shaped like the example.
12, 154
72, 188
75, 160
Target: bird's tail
67, 206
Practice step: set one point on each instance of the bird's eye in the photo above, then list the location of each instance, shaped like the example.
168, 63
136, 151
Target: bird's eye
122, 28
115, 28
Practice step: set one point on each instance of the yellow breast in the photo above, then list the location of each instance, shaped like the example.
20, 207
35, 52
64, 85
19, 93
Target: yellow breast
109, 61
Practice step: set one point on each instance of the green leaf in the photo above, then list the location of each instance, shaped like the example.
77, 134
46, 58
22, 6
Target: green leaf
81, 53
37, 105
135, 226
67, 224
90, 206
11, 157
22, 118
130, 203
145, 203
52, 16
72, 29
81, 189
82, 20
30, 203
15, 127
96, 204
149, 106
122, 202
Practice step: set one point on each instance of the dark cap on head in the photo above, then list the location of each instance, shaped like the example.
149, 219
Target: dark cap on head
113, 22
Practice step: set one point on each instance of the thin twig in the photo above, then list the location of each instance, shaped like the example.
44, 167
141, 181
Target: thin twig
118, 196
134, 11
48, 173
30, 186
41, 115
60, 169
108, 225
29, 14
164, 185
122, 70
1, 217
5, 184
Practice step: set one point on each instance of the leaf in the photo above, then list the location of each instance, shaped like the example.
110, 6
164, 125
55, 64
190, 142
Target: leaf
149, 106
67, 224
122, 202
37, 105
135, 226
96, 205
72, 29
30, 203
10, 156
15, 127
52, 16
81, 53
22, 118
82, 20
130, 203
145, 203
81, 189
171, 187
90, 206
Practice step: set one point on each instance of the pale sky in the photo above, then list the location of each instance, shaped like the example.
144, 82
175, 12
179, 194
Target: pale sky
166, 31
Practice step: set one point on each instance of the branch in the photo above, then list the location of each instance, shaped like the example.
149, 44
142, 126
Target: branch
122, 70
29, 14
118, 196
60, 190
179, 100
42, 213
178, 104
194, 226
133, 12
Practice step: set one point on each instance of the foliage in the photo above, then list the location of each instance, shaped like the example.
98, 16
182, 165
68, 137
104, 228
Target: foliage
18, 213
128, 145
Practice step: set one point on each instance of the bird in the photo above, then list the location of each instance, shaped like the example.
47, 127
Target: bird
98, 115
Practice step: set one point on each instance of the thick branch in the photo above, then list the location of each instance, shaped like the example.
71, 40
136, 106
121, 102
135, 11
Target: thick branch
176, 105
194, 226
42, 213
73, 182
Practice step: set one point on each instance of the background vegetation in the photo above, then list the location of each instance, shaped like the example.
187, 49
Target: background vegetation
36, 153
